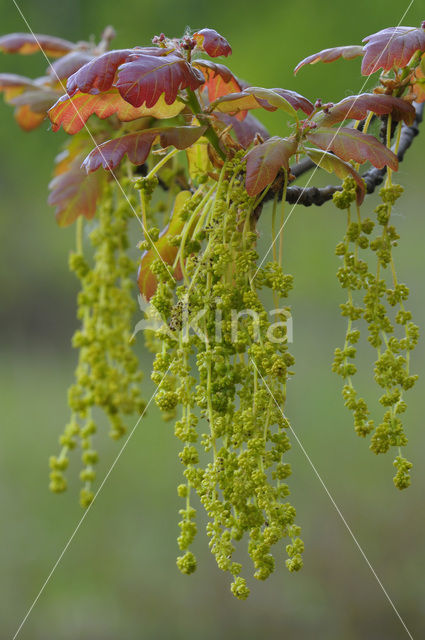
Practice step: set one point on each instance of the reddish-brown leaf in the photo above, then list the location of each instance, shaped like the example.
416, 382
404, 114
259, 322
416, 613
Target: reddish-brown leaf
74, 193
342, 169
269, 99
213, 43
39, 100
357, 107
264, 161
392, 47
75, 146
147, 280
241, 102
219, 80
27, 119
246, 130
350, 144
69, 64
298, 101
12, 85
72, 112
138, 145
329, 55
98, 75
26, 43
144, 79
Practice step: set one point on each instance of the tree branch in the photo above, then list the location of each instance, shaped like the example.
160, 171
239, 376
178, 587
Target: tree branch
313, 195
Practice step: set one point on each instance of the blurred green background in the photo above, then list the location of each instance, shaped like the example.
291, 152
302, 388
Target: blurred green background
118, 578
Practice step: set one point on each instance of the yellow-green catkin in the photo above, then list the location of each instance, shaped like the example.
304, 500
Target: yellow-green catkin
376, 296
228, 369
107, 375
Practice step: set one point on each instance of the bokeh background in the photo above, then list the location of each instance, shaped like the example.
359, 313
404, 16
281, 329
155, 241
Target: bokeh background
118, 578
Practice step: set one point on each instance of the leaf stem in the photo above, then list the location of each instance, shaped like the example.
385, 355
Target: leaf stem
210, 134
282, 218
161, 163
79, 235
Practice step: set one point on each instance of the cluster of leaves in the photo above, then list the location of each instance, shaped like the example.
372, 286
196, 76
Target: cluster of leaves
124, 109
146, 84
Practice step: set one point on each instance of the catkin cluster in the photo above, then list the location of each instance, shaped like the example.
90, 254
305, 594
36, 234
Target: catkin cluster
107, 375
224, 365
377, 297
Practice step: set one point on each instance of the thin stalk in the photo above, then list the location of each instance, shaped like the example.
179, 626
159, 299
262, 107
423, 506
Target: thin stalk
282, 218
79, 235
210, 134
161, 163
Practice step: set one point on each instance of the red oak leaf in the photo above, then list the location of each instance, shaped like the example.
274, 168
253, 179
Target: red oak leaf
72, 112
74, 193
138, 145
12, 85
27, 119
39, 100
213, 43
269, 99
68, 65
329, 55
26, 43
264, 161
246, 130
98, 75
350, 144
392, 47
357, 108
219, 80
147, 77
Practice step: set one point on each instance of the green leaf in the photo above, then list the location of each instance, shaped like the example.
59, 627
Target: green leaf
273, 98
342, 169
269, 99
